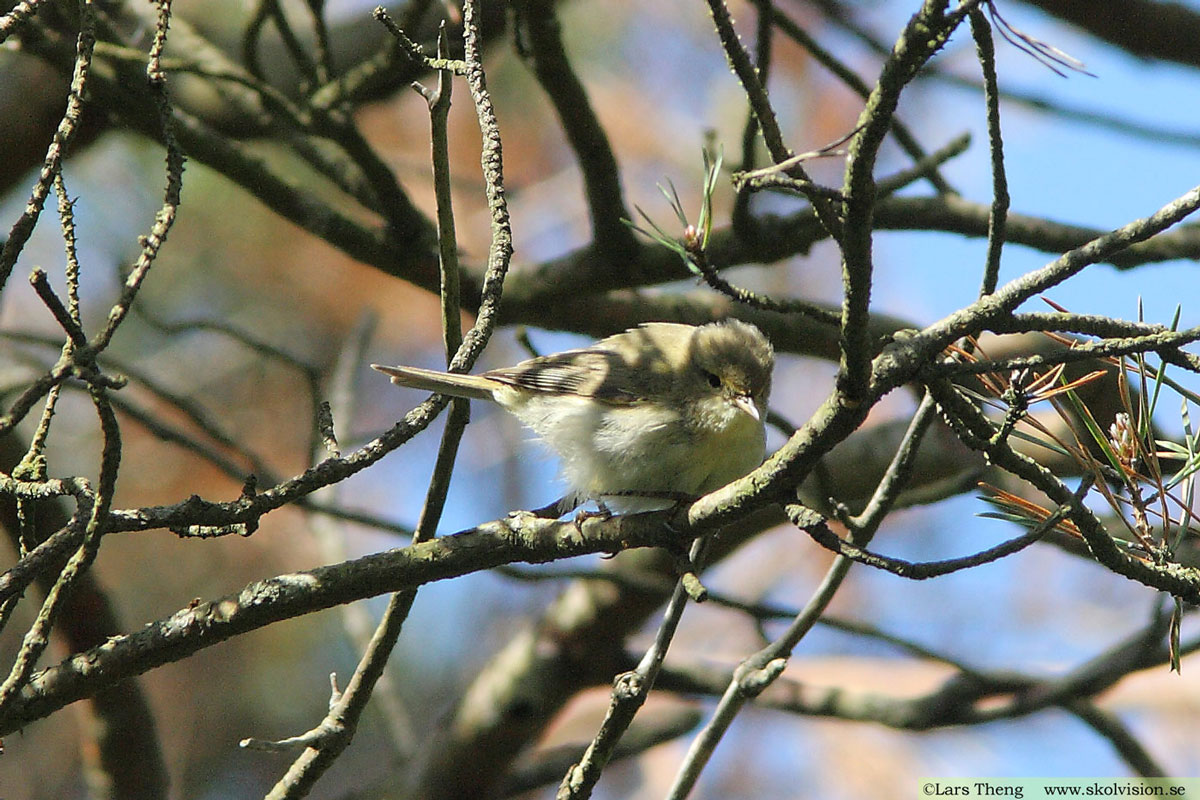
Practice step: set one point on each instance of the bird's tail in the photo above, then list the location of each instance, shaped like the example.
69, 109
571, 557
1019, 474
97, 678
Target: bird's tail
476, 387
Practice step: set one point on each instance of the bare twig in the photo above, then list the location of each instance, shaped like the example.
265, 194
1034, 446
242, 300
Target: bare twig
630, 690
999, 212
334, 733
20, 232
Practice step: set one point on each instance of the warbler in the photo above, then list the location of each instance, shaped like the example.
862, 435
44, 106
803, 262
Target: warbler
660, 412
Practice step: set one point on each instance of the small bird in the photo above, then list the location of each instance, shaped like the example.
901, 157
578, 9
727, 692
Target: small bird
660, 412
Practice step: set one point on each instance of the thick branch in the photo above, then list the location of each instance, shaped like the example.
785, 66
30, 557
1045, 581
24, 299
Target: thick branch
518, 538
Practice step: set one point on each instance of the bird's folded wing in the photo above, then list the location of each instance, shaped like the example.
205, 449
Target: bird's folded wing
591, 372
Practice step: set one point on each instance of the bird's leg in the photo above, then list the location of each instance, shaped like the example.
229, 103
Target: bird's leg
583, 515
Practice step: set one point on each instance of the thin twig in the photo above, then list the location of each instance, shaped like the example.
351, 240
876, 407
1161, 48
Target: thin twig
750, 678
334, 733
66, 216
760, 105
924, 34
37, 637
165, 217
21, 230
970, 425
414, 50
760, 669
920, 571
1118, 734
1161, 342
997, 218
16, 16
846, 75
899, 471
740, 217
61, 315
630, 691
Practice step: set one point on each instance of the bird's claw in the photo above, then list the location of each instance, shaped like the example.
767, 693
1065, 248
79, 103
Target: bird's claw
583, 515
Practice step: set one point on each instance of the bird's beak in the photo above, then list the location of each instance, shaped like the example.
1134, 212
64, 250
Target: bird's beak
746, 403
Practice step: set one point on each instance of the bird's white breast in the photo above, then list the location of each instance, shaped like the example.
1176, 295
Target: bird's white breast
610, 452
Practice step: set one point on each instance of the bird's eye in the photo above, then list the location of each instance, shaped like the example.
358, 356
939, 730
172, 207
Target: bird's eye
713, 379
